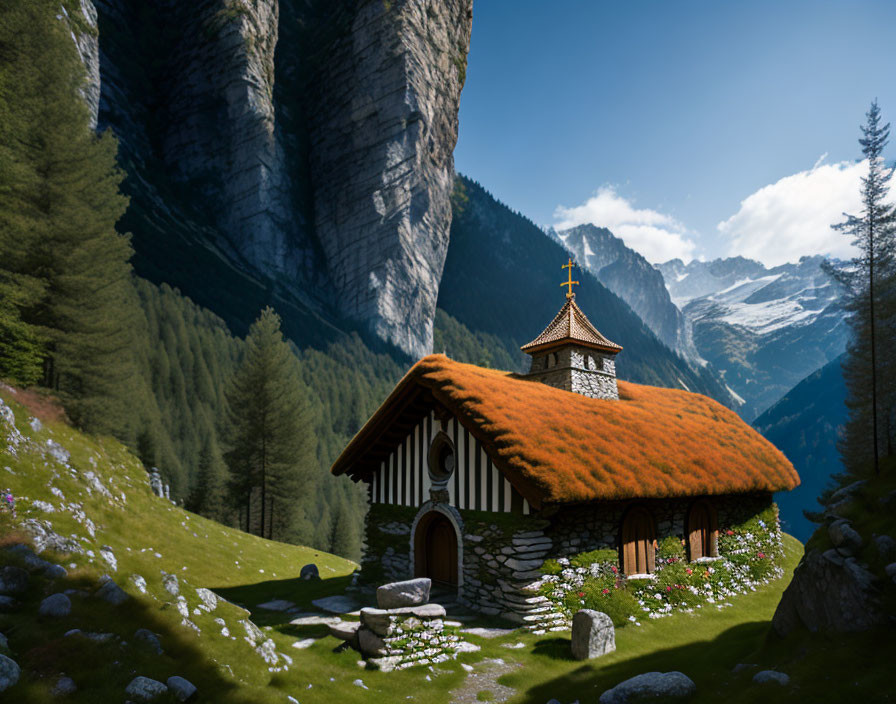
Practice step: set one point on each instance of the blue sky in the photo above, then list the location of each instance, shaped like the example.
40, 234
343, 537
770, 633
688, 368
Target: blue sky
664, 119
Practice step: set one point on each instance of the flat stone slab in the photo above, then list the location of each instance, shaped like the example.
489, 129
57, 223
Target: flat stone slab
336, 604
276, 605
309, 619
410, 592
304, 643
488, 632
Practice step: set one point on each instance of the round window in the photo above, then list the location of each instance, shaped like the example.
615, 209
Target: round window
441, 457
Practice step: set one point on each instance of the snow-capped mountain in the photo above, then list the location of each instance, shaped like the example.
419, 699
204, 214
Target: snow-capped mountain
763, 329
631, 277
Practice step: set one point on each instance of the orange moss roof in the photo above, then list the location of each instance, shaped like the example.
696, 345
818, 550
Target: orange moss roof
571, 325
555, 446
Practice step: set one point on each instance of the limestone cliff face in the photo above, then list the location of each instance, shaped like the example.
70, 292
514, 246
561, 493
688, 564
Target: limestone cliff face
306, 144
381, 158
84, 33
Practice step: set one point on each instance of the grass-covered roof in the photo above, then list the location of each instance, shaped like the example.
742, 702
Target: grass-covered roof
560, 447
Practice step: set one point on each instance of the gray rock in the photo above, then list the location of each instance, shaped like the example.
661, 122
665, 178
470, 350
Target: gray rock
276, 605
112, 593
55, 605
371, 644
844, 537
336, 604
58, 452
145, 689
9, 672
767, 676
149, 639
411, 592
7, 603
63, 687
886, 546
13, 580
668, 686
382, 621
138, 582
829, 592
347, 631
890, 571
169, 582
386, 664
593, 634
53, 571
309, 572
182, 688
208, 598
741, 666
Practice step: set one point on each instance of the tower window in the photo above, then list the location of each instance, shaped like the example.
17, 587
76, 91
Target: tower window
441, 457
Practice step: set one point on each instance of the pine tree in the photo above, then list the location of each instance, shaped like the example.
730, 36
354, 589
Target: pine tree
345, 539
868, 283
66, 204
272, 448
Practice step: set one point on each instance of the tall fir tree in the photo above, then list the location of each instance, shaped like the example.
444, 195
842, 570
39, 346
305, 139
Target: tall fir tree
272, 445
81, 301
868, 280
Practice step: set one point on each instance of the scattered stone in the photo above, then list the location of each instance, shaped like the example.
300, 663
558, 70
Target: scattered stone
886, 546
63, 687
208, 598
386, 664
305, 619
890, 571
112, 593
304, 643
668, 686
45, 538
309, 573
276, 605
35, 424
93, 482
149, 639
53, 571
56, 605
107, 554
371, 644
766, 676
360, 683
514, 646
182, 688
182, 607
169, 581
844, 537
253, 632
741, 666
145, 688
139, 583
13, 580
336, 604
7, 603
58, 452
488, 632
347, 631
268, 652
44, 506
463, 646
410, 592
593, 634
9, 672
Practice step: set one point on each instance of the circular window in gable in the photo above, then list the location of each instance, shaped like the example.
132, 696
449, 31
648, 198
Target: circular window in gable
441, 457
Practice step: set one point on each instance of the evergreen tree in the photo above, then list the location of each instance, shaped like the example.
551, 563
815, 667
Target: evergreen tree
271, 456
345, 539
868, 282
209, 490
66, 205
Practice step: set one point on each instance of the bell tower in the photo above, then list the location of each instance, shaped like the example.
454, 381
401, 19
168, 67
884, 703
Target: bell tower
571, 354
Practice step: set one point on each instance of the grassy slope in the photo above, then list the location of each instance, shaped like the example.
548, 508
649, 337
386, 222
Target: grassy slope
704, 647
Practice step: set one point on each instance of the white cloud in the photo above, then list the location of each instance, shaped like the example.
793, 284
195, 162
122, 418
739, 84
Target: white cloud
656, 236
792, 217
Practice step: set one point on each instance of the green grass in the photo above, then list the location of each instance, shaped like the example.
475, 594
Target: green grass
247, 571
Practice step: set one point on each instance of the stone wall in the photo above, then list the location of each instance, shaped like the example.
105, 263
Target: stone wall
577, 369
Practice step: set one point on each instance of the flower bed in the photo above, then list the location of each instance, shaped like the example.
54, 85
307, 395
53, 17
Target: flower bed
750, 556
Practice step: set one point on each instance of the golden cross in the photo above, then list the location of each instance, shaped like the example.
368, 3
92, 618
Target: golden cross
570, 282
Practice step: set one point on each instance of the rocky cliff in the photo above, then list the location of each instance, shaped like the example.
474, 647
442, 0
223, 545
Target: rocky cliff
295, 150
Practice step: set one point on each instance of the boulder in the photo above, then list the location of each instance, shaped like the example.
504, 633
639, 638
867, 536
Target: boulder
370, 643
276, 605
112, 593
651, 686
9, 673
145, 689
208, 598
13, 580
890, 571
55, 605
382, 621
767, 676
411, 592
886, 546
347, 631
593, 634
309, 572
149, 639
169, 582
64, 686
181, 688
53, 571
844, 537
829, 592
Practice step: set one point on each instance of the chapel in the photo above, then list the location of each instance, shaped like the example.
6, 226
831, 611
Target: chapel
476, 477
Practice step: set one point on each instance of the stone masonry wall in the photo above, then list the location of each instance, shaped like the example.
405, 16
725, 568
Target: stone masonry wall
577, 369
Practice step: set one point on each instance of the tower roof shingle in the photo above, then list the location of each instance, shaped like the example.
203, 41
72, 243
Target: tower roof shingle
571, 325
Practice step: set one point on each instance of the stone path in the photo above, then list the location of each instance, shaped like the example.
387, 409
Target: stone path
484, 678
488, 632
336, 604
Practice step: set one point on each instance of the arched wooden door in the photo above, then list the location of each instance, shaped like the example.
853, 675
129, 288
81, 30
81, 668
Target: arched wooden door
703, 531
435, 550
638, 542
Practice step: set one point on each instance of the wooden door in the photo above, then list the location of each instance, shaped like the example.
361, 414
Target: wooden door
436, 550
702, 531
638, 542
